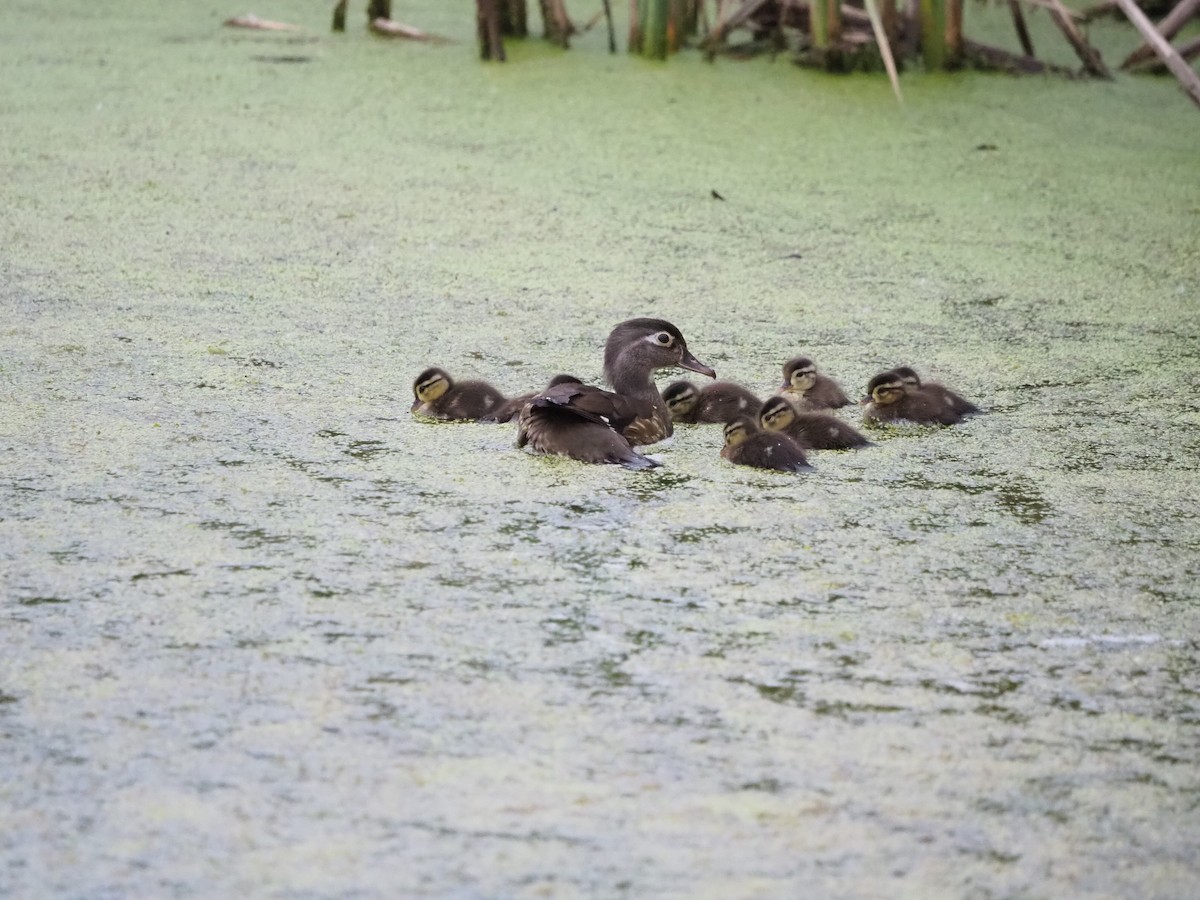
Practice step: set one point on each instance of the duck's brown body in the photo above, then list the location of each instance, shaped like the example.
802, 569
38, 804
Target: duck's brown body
594, 425
811, 430
892, 401
716, 403
809, 389
745, 445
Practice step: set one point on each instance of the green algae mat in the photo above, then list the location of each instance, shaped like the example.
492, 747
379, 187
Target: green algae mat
264, 634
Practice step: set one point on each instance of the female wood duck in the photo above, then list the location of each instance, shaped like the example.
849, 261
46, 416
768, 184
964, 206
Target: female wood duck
598, 426
441, 397
937, 392
719, 402
891, 400
811, 430
808, 388
745, 445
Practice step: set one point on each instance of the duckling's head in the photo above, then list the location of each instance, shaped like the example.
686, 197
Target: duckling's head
886, 387
680, 397
776, 414
639, 346
430, 385
563, 379
737, 431
912, 381
799, 375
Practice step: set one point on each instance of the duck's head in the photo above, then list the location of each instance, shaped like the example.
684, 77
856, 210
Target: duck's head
799, 375
430, 385
644, 345
776, 414
886, 387
912, 381
737, 431
680, 397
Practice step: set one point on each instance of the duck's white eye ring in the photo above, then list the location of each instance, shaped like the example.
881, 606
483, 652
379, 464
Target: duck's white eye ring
664, 338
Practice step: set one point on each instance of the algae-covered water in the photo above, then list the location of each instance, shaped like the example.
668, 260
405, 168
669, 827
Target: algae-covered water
262, 634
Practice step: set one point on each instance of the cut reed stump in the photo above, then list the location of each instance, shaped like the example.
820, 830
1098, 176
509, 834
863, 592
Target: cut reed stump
487, 20
557, 27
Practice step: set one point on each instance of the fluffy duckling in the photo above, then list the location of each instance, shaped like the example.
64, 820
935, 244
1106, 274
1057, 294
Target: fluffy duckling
438, 395
808, 388
597, 426
811, 430
937, 392
745, 445
890, 400
714, 403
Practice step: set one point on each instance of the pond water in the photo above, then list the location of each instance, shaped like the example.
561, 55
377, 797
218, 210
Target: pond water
263, 634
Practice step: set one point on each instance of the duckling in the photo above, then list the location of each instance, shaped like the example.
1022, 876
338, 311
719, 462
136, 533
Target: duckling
891, 401
714, 403
745, 445
811, 430
440, 396
599, 426
808, 388
956, 402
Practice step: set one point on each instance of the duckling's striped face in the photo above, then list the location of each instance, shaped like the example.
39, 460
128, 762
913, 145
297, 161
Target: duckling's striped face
887, 391
680, 398
802, 379
431, 385
736, 432
777, 414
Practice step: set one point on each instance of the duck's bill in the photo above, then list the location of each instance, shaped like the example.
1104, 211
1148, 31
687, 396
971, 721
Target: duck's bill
692, 364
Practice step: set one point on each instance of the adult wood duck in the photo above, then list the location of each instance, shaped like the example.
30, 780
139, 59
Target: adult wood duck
811, 430
438, 395
598, 426
808, 388
936, 392
891, 400
745, 445
716, 403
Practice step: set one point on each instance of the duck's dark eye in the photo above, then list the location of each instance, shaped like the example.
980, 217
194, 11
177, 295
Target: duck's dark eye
664, 339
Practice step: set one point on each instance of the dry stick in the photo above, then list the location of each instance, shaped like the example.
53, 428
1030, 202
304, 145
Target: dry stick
339, 16
612, 35
996, 58
1188, 51
1098, 9
1168, 28
885, 48
393, 29
1179, 68
1087, 53
1018, 18
254, 22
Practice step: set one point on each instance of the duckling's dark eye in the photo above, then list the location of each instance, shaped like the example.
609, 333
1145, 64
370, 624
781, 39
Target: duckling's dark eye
664, 339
